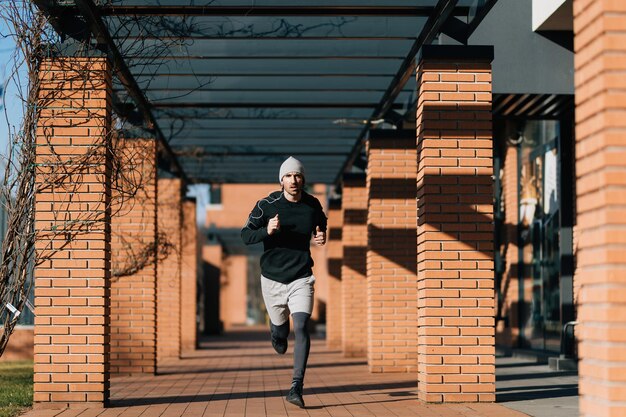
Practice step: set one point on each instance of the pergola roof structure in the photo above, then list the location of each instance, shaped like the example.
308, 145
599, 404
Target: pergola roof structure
233, 87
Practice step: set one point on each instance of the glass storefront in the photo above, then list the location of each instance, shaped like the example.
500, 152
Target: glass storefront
537, 310
539, 233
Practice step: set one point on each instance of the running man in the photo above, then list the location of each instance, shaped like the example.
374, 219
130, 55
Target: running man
285, 221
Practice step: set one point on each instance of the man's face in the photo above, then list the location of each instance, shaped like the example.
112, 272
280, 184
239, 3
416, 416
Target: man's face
293, 183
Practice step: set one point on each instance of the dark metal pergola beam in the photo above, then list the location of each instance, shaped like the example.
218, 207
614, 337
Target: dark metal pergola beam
210, 10
228, 28
200, 105
186, 61
229, 153
90, 13
442, 12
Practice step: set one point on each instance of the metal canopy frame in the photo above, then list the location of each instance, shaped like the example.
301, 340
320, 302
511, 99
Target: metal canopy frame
232, 87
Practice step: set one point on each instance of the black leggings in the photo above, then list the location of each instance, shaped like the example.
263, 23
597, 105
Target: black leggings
303, 342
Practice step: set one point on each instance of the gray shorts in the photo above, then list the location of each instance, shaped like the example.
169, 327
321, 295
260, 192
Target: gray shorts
283, 299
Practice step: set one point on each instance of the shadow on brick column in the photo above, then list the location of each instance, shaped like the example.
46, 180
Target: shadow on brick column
455, 225
391, 261
334, 255
133, 258
169, 270
189, 277
354, 268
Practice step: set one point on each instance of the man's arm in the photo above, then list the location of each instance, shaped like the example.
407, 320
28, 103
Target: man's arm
255, 230
320, 228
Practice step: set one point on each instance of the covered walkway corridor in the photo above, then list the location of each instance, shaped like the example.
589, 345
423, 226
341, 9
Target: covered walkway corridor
441, 203
240, 375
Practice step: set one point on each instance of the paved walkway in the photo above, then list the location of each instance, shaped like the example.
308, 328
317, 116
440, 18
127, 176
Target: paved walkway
535, 389
239, 375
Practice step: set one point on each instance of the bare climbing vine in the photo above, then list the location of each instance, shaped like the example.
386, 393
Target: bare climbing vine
67, 177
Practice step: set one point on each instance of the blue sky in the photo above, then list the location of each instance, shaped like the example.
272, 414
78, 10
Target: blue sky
9, 98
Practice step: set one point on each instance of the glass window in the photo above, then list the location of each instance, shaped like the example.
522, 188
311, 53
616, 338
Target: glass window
539, 233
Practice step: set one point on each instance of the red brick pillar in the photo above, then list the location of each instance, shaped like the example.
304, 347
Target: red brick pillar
455, 225
169, 269
600, 64
234, 291
391, 263
72, 220
189, 271
334, 255
318, 254
354, 268
133, 259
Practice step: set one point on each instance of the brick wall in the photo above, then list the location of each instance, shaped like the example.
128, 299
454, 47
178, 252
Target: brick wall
320, 266
234, 291
334, 255
169, 212
133, 260
189, 272
600, 65
354, 267
20, 346
391, 263
455, 231
72, 221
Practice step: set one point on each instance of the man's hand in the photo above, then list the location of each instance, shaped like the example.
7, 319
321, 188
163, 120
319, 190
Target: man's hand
320, 237
273, 225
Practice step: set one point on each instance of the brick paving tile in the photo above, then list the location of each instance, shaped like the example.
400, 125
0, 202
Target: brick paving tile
239, 375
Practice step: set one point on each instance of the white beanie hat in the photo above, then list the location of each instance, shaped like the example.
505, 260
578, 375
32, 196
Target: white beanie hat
291, 164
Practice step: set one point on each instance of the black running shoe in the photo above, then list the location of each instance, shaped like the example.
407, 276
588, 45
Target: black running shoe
295, 394
279, 345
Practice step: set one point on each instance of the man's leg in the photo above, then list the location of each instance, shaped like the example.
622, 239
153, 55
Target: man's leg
301, 304
279, 336
300, 357
275, 298
303, 345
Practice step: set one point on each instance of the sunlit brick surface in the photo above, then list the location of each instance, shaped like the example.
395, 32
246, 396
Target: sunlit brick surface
455, 232
189, 277
600, 65
391, 261
169, 270
73, 234
334, 255
353, 269
133, 238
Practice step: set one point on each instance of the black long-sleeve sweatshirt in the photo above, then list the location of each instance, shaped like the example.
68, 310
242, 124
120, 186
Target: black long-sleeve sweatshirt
286, 253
